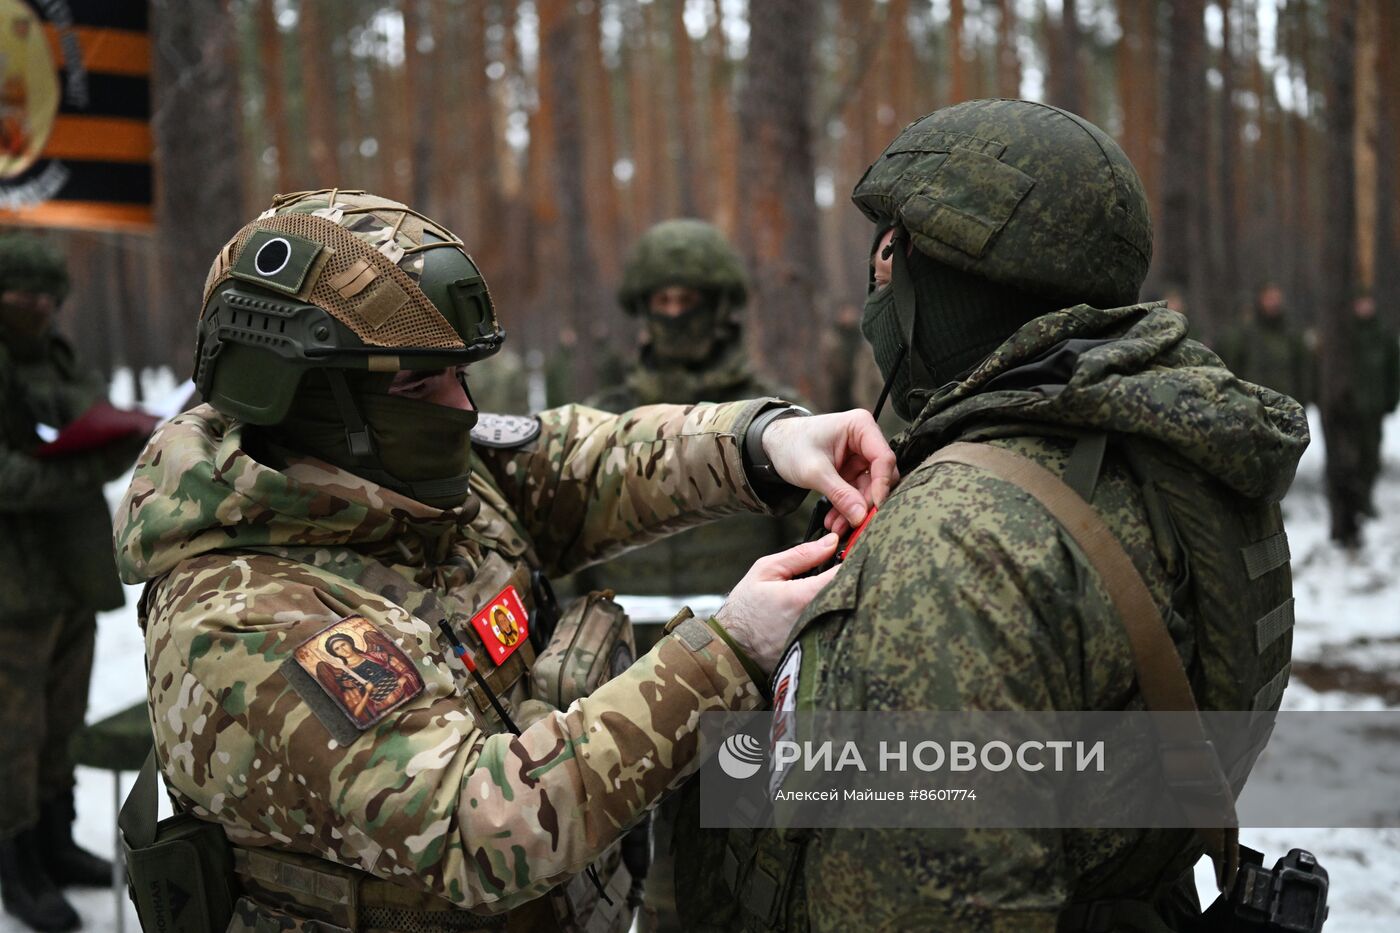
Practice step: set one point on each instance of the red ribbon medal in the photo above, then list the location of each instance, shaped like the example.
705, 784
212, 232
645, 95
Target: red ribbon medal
503, 624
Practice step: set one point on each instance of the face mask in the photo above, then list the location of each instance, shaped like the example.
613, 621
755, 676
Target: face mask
423, 444
879, 323
421, 450
689, 338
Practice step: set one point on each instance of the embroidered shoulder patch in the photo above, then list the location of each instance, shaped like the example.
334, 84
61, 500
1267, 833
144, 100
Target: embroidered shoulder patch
784, 726
351, 676
505, 431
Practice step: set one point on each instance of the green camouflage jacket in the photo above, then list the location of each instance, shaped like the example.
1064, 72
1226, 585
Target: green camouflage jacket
965, 594
1375, 358
55, 530
246, 563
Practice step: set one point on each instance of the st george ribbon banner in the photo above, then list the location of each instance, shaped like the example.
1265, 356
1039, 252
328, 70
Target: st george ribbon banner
75, 109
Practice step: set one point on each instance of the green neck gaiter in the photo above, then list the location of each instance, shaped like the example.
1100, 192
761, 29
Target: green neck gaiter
958, 319
420, 450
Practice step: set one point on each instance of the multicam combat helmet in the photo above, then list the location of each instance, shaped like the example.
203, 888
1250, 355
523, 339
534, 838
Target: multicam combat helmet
1018, 193
683, 252
335, 280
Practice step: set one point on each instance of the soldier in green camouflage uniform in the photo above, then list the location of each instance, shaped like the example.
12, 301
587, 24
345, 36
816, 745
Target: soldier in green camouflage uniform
56, 571
689, 288
1270, 351
1354, 453
1004, 311
340, 480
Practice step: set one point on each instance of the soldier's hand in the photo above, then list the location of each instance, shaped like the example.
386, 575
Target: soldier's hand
761, 609
843, 456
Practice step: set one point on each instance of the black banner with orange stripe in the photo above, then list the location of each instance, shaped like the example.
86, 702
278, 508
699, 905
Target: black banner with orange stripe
75, 107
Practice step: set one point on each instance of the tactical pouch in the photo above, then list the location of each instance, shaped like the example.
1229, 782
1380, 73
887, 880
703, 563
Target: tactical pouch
592, 643
179, 871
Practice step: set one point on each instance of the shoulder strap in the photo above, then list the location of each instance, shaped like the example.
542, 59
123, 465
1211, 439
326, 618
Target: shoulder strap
1188, 757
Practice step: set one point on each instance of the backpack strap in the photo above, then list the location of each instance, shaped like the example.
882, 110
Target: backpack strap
1189, 759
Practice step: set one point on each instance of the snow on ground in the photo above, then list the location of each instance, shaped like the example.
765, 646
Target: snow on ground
1346, 657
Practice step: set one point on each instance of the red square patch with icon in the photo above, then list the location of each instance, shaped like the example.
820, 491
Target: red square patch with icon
502, 625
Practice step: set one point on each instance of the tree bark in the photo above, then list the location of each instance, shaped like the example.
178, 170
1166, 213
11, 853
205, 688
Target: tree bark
199, 203
1340, 423
777, 178
1184, 172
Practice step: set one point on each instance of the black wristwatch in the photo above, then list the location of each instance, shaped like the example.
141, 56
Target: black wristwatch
756, 462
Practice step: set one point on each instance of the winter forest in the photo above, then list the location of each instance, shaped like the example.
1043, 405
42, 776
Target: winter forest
550, 133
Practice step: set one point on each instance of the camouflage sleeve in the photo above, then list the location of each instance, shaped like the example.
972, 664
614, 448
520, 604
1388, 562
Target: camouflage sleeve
594, 484
423, 797
982, 607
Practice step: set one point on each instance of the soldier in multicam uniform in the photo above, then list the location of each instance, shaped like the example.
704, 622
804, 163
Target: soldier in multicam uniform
56, 571
334, 488
1003, 311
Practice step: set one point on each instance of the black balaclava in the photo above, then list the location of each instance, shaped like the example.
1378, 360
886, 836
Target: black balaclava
420, 449
948, 320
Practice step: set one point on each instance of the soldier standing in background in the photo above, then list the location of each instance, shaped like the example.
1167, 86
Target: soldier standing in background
1355, 448
1376, 356
1270, 350
56, 572
689, 288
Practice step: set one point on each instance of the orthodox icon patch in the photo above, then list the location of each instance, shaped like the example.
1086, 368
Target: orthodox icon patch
363, 673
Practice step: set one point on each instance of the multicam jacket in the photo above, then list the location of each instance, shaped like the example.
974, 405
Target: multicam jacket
965, 594
245, 563
710, 559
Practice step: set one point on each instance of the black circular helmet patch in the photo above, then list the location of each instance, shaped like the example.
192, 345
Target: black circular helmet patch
272, 256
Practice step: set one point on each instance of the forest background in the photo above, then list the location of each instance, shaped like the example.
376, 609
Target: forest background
550, 133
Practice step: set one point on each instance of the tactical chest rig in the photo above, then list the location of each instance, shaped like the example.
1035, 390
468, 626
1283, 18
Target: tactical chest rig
185, 877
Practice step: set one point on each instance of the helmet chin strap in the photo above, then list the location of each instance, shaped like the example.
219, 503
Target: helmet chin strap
360, 442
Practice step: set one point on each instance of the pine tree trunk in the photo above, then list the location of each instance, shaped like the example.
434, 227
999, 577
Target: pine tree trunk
200, 198
1340, 423
777, 175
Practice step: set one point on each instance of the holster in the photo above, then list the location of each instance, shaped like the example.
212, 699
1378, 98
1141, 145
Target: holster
179, 871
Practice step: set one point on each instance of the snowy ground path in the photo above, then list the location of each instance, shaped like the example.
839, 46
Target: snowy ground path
1346, 657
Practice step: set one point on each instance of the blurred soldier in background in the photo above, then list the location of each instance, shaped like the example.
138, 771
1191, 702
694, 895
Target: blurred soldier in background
1376, 375
688, 287
1269, 350
1355, 445
56, 571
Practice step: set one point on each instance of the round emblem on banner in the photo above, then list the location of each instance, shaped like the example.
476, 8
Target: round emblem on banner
29, 89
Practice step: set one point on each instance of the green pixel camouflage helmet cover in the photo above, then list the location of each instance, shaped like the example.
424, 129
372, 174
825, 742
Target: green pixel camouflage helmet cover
1019, 193
335, 279
29, 264
692, 253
